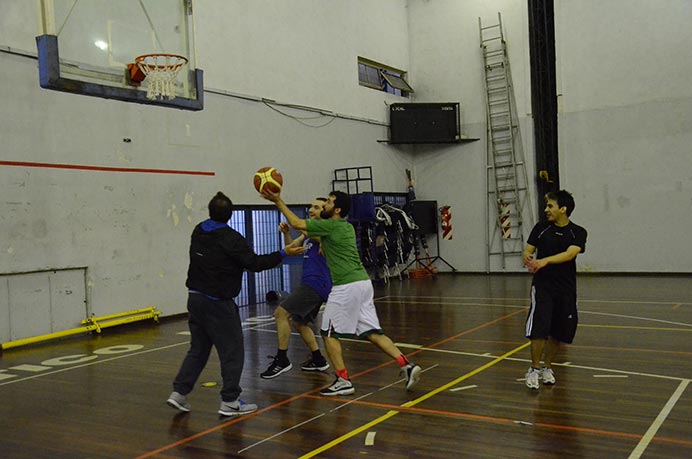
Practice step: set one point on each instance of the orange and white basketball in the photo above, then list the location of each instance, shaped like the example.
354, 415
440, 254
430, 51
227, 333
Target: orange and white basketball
268, 178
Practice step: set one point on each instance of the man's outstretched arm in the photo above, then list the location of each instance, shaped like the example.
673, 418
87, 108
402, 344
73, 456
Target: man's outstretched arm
293, 220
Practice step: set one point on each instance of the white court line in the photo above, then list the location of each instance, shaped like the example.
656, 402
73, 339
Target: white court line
649, 435
568, 364
97, 362
457, 389
611, 376
672, 302
326, 412
516, 359
93, 362
282, 432
581, 311
639, 318
370, 438
278, 434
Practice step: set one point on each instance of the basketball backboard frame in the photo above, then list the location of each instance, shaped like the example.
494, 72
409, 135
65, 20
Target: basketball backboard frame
73, 65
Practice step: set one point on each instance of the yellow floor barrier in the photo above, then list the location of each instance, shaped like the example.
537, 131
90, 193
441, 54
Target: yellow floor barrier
90, 324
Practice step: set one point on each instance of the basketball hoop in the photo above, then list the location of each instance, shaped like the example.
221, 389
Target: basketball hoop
160, 71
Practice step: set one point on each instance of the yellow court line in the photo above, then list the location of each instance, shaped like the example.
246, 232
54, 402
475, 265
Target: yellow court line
637, 328
392, 413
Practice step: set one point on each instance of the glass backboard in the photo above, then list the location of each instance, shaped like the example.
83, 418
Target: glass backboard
90, 46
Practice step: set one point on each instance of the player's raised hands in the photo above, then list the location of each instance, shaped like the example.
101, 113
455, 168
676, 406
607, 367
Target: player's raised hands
284, 228
291, 249
270, 195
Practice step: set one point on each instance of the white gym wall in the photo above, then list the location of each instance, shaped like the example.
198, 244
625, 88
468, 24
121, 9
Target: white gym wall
625, 133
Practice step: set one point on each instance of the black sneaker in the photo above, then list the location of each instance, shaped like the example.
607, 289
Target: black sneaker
275, 369
311, 365
341, 386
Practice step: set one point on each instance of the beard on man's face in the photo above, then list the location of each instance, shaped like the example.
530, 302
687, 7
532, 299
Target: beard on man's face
325, 214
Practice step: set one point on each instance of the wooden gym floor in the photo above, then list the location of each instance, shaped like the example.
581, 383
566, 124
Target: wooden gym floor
622, 387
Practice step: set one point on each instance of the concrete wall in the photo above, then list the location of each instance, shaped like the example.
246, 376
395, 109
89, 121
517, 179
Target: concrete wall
447, 65
625, 129
625, 123
131, 229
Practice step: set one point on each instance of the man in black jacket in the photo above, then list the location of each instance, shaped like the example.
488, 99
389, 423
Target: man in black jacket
218, 257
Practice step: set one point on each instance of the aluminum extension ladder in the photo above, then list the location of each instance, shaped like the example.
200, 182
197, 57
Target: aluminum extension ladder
507, 197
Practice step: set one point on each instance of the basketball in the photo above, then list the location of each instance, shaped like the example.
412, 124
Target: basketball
268, 178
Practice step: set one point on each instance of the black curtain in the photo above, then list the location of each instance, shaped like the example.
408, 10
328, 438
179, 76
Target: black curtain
544, 97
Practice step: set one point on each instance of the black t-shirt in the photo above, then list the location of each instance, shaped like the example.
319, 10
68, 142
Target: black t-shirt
550, 239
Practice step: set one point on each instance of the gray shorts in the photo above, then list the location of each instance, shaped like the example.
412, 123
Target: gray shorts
304, 304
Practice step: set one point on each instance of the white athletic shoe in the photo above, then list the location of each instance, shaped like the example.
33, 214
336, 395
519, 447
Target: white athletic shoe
547, 376
341, 386
412, 373
532, 377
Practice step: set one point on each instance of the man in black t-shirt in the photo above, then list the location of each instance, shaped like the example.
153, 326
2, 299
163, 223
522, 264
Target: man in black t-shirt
550, 254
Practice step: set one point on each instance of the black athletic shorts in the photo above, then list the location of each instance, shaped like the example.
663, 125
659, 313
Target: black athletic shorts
552, 314
304, 304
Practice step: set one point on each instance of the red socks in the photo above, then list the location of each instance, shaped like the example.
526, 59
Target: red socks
343, 373
402, 360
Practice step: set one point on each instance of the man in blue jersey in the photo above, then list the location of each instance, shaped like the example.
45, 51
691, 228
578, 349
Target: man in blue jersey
550, 255
350, 311
304, 304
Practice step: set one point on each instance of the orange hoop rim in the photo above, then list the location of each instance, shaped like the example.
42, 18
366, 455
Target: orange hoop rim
139, 60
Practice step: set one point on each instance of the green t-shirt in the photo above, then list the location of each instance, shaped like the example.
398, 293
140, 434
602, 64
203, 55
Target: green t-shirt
338, 240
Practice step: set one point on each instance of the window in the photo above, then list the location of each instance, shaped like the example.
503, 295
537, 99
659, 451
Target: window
382, 77
258, 225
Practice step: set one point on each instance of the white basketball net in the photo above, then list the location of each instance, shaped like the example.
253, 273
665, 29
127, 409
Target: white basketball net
160, 71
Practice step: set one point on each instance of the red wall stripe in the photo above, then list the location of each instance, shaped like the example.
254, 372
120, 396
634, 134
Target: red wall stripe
104, 169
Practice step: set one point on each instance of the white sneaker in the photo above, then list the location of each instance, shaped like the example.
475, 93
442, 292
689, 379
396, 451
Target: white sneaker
532, 377
236, 408
341, 386
412, 373
178, 401
547, 376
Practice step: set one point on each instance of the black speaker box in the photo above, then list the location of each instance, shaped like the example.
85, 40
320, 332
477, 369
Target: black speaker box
424, 213
424, 122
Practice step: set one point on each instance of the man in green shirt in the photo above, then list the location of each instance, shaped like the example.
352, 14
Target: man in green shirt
350, 310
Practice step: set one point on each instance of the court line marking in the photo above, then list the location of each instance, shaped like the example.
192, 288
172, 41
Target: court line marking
183, 441
100, 361
583, 346
496, 420
411, 403
515, 343
420, 348
651, 432
294, 398
516, 306
370, 438
566, 364
257, 327
93, 362
581, 300
342, 405
457, 389
627, 327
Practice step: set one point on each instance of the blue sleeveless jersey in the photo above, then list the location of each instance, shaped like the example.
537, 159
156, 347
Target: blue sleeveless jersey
315, 271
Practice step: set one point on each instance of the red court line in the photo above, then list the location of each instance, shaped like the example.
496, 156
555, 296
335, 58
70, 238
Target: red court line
182, 441
104, 168
496, 420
